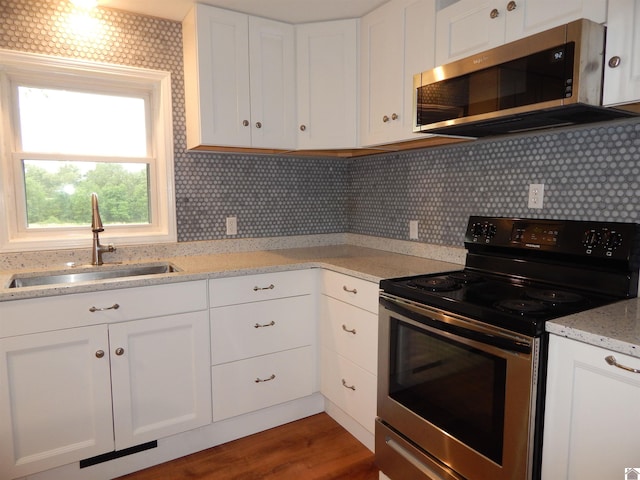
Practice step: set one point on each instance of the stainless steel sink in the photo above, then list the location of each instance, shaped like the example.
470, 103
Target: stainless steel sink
89, 274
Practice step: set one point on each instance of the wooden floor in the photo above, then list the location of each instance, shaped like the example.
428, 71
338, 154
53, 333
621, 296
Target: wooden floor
314, 448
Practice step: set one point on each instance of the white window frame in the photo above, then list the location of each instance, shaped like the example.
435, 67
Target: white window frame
52, 72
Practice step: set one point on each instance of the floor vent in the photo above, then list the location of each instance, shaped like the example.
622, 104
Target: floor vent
105, 457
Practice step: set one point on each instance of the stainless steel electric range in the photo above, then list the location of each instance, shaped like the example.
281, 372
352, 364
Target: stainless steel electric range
462, 355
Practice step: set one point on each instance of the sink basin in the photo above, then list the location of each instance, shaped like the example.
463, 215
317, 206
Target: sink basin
89, 274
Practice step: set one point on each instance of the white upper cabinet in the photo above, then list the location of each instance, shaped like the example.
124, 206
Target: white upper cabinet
471, 26
622, 68
273, 83
327, 73
397, 41
239, 80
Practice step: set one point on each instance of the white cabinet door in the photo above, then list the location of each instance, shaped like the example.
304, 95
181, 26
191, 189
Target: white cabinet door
385, 89
55, 399
533, 16
272, 80
467, 27
160, 376
327, 66
216, 63
259, 328
591, 414
239, 80
622, 82
471, 26
259, 382
350, 331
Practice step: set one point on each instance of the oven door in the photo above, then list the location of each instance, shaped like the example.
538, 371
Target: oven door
460, 391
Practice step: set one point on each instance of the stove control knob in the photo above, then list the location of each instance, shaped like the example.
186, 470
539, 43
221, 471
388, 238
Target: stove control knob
591, 238
490, 231
612, 240
477, 229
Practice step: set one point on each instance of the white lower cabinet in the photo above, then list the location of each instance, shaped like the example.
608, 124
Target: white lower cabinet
591, 416
262, 341
350, 387
259, 382
73, 393
55, 399
349, 351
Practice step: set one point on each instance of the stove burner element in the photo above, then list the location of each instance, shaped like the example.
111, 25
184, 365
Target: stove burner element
465, 277
436, 284
522, 306
555, 296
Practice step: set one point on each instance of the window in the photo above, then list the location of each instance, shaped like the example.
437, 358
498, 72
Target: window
71, 128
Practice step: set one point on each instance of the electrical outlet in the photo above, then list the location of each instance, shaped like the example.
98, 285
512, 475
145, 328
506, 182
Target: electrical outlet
232, 225
536, 195
413, 229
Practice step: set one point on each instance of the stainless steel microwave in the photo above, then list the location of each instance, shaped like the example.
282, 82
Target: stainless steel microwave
550, 79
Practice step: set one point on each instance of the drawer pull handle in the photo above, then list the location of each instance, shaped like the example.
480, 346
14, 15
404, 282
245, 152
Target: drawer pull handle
350, 290
262, 380
344, 327
270, 287
611, 360
350, 387
270, 324
115, 306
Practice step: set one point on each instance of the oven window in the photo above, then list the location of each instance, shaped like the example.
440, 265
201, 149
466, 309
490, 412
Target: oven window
459, 389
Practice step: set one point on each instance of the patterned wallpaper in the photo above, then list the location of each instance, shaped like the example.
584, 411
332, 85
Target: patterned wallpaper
589, 172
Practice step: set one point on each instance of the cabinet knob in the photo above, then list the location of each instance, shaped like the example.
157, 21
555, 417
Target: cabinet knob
394, 116
100, 354
614, 62
119, 351
494, 13
245, 123
303, 128
511, 6
258, 125
385, 119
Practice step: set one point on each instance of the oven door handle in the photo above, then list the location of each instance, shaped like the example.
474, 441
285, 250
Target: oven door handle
509, 343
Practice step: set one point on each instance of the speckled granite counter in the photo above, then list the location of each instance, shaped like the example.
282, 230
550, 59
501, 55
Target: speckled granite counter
615, 327
367, 263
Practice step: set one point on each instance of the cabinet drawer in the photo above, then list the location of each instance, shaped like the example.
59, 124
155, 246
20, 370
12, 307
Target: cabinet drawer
259, 328
20, 317
260, 382
350, 331
355, 291
350, 387
253, 288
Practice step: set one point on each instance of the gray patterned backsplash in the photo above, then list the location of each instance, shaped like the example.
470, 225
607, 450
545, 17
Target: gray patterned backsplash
589, 172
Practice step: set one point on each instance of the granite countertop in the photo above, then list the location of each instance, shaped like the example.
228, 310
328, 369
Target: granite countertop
614, 327
366, 263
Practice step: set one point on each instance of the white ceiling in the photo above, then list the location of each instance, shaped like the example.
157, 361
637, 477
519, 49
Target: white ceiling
291, 11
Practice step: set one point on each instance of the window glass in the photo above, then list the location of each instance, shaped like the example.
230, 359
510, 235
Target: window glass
73, 122
57, 193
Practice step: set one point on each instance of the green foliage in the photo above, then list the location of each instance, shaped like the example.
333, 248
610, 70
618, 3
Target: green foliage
63, 197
